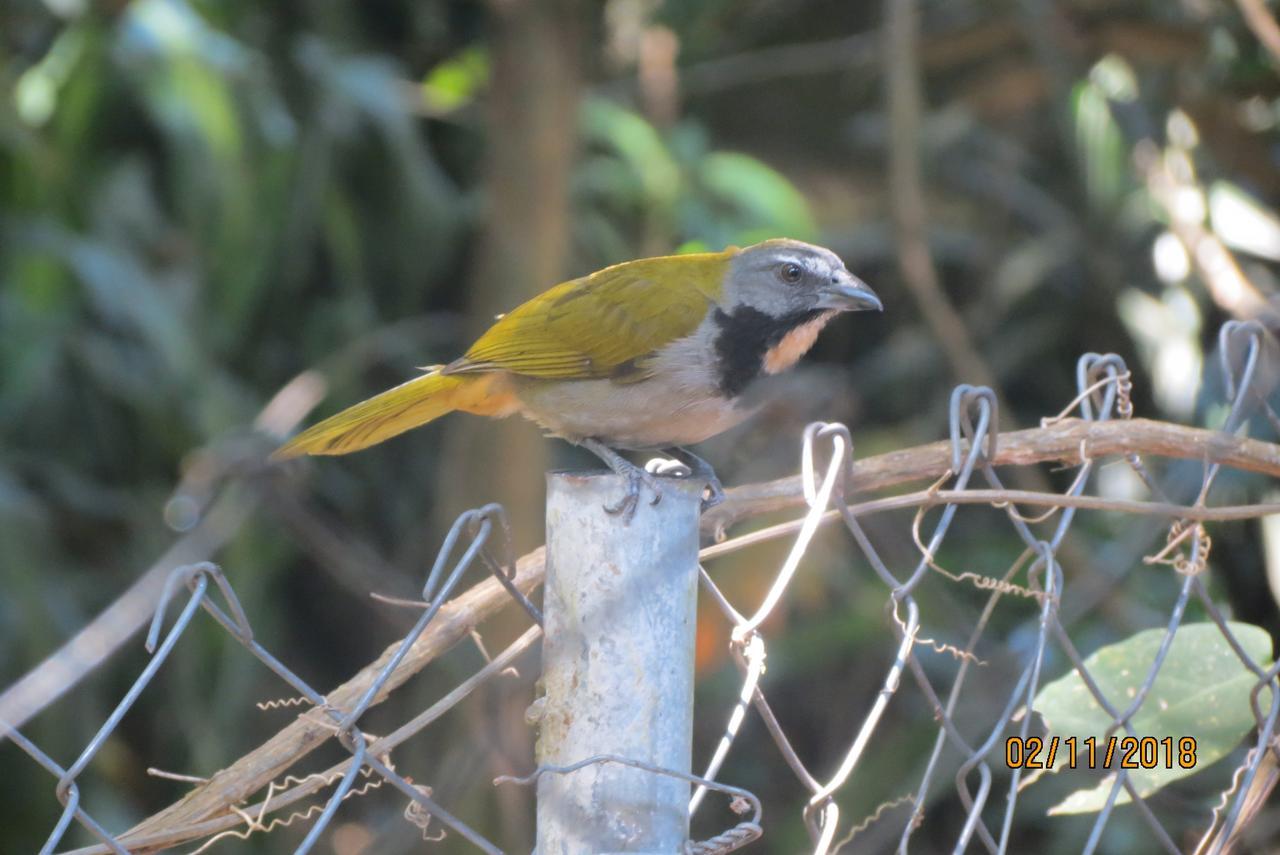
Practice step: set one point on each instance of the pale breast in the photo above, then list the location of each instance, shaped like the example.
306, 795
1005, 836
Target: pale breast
651, 414
679, 404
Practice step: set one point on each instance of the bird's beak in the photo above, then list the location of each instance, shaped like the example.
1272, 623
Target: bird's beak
847, 293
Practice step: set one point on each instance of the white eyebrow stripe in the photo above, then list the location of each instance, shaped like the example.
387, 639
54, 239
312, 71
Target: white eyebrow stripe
805, 261
810, 262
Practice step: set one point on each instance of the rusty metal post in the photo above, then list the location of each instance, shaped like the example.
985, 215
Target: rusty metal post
620, 608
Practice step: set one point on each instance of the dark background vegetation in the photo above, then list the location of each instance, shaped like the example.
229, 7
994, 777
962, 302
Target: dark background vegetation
202, 203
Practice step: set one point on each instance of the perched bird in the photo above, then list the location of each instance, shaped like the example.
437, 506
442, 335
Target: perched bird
657, 353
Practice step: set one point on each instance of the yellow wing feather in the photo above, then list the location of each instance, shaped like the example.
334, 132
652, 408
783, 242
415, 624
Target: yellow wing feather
602, 324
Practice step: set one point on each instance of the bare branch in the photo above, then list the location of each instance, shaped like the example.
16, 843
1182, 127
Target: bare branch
1065, 442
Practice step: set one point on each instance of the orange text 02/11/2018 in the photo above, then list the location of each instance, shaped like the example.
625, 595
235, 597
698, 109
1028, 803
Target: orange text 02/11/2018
1122, 752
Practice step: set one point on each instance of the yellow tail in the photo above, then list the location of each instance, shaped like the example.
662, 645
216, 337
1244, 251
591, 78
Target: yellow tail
396, 411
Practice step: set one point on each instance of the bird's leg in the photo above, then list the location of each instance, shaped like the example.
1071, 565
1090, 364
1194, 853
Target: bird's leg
700, 468
634, 474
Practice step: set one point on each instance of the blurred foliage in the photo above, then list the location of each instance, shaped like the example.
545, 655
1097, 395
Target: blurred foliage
634, 178
199, 201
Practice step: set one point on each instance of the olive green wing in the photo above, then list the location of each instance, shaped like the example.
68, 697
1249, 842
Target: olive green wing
604, 325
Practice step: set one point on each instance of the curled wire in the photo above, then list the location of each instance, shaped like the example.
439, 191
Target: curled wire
503, 567
190, 575
743, 800
964, 399
819, 498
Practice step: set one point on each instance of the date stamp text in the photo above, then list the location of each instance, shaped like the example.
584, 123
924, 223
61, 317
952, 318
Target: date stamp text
1122, 752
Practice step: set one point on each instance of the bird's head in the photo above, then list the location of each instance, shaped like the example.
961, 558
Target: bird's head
784, 277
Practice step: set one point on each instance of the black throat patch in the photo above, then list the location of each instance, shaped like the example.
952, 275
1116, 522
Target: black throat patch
745, 336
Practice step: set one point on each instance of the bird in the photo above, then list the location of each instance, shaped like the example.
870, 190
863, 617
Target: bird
651, 354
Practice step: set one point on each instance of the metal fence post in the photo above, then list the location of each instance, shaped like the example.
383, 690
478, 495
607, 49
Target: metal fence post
617, 666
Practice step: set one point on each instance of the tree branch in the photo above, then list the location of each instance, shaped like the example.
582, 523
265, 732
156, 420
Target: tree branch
1064, 442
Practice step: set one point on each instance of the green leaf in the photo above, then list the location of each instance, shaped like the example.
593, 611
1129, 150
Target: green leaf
1101, 144
455, 82
767, 203
1202, 691
36, 93
638, 145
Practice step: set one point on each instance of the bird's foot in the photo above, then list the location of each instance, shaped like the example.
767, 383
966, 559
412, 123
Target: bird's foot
636, 478
699, 468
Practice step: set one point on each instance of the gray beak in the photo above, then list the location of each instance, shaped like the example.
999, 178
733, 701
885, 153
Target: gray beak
847, 293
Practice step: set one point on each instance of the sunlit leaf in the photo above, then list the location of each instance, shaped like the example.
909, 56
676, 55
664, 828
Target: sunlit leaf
1243, 222
1201, 691
456, 81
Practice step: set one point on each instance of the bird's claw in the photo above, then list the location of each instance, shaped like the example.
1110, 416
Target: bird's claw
695, 467
715, 493
626, 506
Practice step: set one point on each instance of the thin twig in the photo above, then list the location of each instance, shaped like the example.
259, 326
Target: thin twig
1228, 286
1263, 25
902, 91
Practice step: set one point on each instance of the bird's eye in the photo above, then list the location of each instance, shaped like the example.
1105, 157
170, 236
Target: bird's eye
791, 272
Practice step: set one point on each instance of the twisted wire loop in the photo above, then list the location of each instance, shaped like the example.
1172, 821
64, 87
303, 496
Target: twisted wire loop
503, 565
727, 841
197, 577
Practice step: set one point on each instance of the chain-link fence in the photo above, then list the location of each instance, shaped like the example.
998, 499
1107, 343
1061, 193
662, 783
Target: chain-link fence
969, 763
